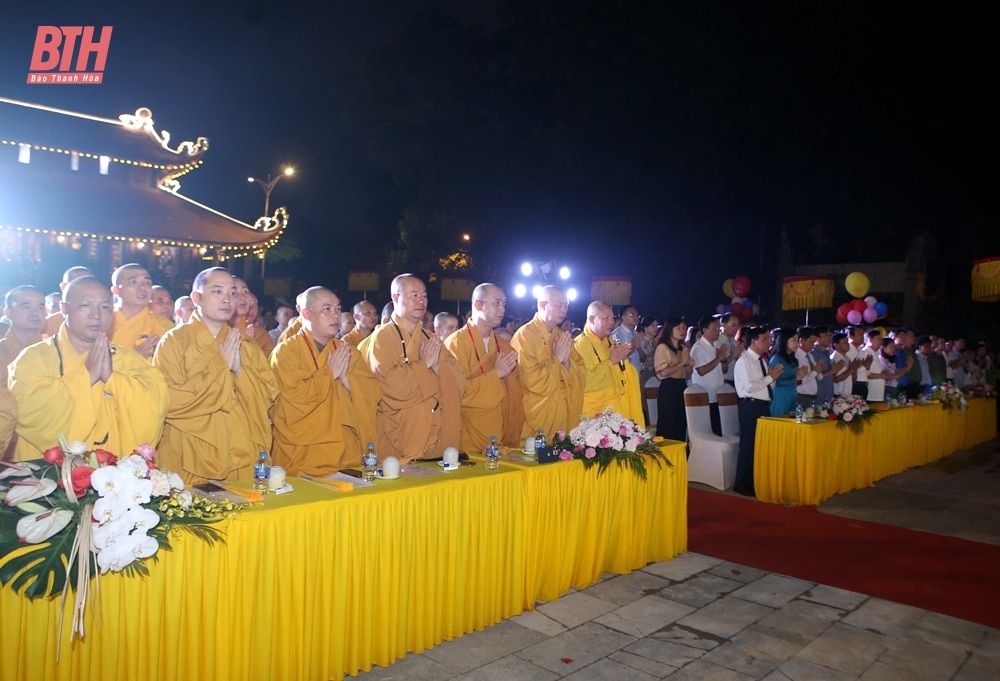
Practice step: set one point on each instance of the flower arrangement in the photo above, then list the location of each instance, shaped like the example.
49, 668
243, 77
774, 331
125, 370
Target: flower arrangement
949, 396
981, 389
610, 437
80, 512
849, 411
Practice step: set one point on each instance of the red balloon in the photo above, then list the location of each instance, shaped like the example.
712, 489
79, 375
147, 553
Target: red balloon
741, 285
841, 318
859, 305
842, 312
746, 314
737, 309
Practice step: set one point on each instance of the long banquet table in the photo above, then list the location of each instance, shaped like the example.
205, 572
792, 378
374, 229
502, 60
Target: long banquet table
805, 463
317, 584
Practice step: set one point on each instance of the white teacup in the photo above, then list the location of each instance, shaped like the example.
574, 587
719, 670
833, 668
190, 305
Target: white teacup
390, 467
529, 445
450, 456
278, 478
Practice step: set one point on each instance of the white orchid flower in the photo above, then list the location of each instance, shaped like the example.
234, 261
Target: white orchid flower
31, 489
116, 558
109, 480
108, 508
134, 465
37, 527
109, 534
142, 545
141, 519
138, 492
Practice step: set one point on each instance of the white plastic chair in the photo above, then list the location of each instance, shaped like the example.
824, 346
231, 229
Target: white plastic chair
713, 457
729, 410
651, 390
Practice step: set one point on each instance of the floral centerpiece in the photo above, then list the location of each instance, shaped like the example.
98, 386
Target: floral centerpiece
949, 396
80, 512
610, 437
849, 411
981, 389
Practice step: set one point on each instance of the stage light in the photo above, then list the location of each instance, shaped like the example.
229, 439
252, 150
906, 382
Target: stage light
536, 291
526, 269
520, 290
571, 294
564, 272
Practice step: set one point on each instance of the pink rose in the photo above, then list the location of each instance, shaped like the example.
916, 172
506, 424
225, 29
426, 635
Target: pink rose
146, 451
561, 434
591, 453
565, 456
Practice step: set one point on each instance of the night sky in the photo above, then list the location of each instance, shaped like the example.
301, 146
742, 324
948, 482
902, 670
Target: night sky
669, 142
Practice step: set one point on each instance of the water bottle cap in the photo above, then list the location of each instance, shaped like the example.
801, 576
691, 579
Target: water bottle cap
262, 455
370, 445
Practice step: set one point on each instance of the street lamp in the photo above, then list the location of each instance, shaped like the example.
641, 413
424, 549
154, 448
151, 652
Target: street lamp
268, 186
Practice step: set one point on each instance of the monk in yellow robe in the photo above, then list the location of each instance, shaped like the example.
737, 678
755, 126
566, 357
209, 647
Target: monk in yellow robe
365, 320
161, 302
80, 385
406, 360
24, 306
487, 363
247, 323
135, 324
221, 388
327, 396
612, 380
55, 320
552, 372
183, 307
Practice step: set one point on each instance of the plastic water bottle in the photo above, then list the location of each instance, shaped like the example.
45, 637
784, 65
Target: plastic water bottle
369, 462
539, 440
262, 473
798, 413
493, 454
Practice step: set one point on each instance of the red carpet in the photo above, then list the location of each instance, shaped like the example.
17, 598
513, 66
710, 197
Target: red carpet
933, 572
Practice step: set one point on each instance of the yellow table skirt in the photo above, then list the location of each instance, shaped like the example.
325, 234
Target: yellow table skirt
805, 463
317, 584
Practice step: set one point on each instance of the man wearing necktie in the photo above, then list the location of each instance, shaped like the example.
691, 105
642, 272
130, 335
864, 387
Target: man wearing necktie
753, 386
807, 385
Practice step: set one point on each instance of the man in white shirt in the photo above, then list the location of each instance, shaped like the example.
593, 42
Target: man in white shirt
807, 385
708, 370
859, 382
872, 366
844, 379
729, 323
753, 386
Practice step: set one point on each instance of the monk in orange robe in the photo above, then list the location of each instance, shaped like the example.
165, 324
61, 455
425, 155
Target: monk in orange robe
221, 388
246, 323
365, 320
552, 373
135, 324
80, 385
407, 361
55, 320
24, 306
487, 362
327, 396
161, 302
612, 380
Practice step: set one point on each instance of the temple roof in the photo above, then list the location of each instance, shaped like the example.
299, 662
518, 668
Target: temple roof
69, 174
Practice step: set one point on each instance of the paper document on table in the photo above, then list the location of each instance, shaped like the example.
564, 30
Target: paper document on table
344, 477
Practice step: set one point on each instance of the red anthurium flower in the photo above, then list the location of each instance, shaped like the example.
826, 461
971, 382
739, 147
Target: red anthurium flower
53, 455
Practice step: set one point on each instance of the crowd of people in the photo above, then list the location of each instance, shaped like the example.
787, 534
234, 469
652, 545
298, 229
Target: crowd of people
207, 382
212, 382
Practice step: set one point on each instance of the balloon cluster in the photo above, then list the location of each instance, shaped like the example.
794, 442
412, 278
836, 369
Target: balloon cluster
736, 289
863, 308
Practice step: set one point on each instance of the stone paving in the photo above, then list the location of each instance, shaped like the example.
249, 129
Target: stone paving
701, 618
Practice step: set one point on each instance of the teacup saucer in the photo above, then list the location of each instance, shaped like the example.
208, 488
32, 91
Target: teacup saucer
449, 466
380, 476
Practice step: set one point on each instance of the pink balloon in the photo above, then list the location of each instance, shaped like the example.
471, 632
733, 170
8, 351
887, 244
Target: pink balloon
870, 314
720, 308
854, 317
